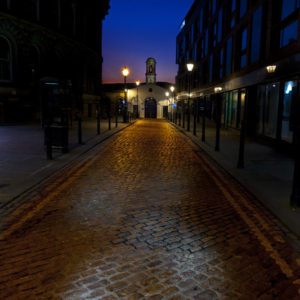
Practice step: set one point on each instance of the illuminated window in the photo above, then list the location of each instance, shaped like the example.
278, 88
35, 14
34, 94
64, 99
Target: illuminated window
5, 60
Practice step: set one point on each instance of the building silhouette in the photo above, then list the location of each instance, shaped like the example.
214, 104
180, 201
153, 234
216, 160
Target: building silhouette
53, 42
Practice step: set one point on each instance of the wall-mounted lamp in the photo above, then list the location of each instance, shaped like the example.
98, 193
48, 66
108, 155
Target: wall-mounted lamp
271, 69
218, 89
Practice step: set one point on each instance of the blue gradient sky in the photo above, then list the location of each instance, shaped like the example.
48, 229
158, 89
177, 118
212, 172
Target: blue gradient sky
137, 29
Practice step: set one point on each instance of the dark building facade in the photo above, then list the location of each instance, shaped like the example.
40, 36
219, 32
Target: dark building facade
57, 42
248, 53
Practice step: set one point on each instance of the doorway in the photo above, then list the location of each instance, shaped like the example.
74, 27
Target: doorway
150, 108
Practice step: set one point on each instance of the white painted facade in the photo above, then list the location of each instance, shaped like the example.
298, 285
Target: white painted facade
139, 95
144, 92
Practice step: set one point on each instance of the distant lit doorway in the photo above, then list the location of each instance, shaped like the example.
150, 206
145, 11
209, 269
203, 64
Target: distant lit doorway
150, 108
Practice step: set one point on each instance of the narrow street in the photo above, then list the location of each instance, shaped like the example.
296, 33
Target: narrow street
145, 215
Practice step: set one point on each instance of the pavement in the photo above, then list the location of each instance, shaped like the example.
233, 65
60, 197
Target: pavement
146, 215
267, 174
23, 162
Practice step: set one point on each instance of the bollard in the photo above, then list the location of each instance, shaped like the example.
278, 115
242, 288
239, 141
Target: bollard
98, 124
295, 197
195, 118
48, 136
79, 130
241, 159
218, 121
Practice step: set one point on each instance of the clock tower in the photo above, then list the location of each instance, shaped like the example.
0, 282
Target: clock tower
150, 70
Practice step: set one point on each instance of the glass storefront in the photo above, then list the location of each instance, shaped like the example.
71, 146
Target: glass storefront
231, 111
290, 95
268, 101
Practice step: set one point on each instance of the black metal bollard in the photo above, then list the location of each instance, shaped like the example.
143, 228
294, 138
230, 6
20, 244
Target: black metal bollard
295, 197
79, 130
218, 121
98, 124
241, 158
48, 137
195, 118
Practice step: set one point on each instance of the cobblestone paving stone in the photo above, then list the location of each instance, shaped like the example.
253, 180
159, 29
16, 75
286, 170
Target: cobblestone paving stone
146, 217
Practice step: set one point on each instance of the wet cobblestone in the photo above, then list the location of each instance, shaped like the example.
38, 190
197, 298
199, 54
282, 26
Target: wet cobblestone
147, 217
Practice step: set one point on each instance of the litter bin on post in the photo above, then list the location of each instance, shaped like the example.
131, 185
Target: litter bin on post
55, 106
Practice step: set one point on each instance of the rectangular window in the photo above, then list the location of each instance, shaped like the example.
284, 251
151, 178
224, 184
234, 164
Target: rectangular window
256, 35
290, 91
201, 21
268, 99
289, 34
214, 5
234, 109
206, 42
228, 56
195, 52
220, 21
243, 60
288, 7
243, 7
233, 5
221, 63
211, 67
244, 40
232, 22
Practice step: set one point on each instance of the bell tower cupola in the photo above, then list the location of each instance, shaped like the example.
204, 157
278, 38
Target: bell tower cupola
150, 70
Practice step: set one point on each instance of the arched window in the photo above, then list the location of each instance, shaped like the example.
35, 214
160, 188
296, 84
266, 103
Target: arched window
5, 60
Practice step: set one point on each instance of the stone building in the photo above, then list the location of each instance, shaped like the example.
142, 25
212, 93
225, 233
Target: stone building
55, 42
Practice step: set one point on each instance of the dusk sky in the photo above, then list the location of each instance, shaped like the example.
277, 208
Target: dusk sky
137, 29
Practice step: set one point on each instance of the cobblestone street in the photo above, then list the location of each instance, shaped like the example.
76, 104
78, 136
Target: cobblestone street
145, 215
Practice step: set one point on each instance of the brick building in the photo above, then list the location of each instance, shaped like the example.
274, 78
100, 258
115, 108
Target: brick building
247, 53
50, 40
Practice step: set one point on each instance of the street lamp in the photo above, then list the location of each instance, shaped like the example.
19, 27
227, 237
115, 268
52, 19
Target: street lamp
167, 95
172, 88
190, 67
138, 82
125, 73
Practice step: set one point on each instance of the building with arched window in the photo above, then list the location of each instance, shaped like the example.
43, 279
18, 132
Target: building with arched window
58, 39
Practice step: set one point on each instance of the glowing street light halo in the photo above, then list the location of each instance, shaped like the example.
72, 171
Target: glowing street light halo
125, 71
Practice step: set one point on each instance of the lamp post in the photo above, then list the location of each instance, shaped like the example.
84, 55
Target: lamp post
125, 73
138, 82
167, 95
190, 67
172, 88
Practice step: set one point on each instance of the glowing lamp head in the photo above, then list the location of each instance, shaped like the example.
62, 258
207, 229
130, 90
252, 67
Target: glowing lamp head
271, 69
137, 82
125, 72
218, 89
172, 89
190, 67
167, 94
